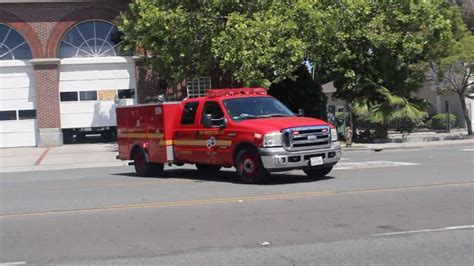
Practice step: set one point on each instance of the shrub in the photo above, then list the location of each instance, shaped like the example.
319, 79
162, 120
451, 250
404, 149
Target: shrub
439, 121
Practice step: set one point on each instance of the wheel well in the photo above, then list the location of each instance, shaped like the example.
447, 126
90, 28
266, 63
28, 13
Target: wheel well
241, 146
134, 149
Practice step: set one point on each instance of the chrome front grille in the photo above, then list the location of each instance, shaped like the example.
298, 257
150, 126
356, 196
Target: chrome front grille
306, 138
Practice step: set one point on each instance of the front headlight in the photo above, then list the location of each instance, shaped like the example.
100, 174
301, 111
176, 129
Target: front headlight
333, 134
272, 139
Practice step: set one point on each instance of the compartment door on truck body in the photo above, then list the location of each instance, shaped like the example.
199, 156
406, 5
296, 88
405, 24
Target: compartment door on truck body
160, 132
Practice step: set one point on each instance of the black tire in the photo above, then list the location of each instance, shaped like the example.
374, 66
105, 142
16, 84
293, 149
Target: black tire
142, 166
317, 172
249, 166
207, 169
157, 168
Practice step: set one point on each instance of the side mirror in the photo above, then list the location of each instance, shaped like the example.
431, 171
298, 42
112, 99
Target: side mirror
224, 123
207, 120
300, 112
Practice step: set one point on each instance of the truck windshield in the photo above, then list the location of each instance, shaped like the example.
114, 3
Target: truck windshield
255, 107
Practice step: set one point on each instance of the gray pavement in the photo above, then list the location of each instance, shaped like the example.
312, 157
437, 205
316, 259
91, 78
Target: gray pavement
76, 156
109, 216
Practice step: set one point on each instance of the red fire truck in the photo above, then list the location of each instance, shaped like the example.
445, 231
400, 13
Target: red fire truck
244, 128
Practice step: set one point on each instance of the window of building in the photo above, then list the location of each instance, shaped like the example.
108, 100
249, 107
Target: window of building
93, 38
189, 113
7, 115
26, 114
88, 95
126, 94
198, 87
68, 96
12, 45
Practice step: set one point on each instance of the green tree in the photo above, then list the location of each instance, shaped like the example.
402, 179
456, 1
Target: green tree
258, 42
374, 52
303, 92
454, 73
176, 36
267, 46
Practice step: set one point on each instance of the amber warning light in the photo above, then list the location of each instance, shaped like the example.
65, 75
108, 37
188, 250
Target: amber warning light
236, 92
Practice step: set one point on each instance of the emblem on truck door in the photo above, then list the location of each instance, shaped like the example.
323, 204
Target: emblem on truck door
210, 142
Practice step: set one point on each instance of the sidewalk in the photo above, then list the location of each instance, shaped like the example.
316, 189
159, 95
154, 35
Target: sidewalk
468, 143
62, 157
103, 155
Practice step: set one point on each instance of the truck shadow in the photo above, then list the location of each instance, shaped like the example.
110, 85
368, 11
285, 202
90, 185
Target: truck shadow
230, 176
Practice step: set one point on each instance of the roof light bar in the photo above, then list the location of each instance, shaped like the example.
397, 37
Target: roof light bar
236, 92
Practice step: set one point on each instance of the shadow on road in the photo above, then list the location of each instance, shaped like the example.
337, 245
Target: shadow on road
230, 177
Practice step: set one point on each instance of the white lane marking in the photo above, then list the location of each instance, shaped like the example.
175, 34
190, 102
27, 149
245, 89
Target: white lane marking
13, 263
426, 230
467, 149
370, 164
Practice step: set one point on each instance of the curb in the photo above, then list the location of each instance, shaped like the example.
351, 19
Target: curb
408, 145
377, 149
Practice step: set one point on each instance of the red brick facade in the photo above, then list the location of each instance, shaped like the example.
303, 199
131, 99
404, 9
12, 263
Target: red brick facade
43, 25
47, 96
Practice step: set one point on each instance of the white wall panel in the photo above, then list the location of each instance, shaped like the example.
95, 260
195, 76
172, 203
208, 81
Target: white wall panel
93, 74
16, 105
17, 133
17, 93
15, 82
117, 83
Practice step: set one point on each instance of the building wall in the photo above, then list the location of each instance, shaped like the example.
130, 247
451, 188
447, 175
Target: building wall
43, 25
438, 102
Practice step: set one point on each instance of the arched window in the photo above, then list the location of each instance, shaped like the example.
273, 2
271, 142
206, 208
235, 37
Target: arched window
12, 45
92, 38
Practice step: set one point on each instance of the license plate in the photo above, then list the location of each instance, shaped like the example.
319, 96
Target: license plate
318, 160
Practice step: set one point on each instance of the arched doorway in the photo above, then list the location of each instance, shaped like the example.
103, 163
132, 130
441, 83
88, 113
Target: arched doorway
94, 77
17, 90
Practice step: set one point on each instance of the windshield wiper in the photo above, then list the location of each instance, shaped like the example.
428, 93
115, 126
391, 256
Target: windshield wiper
245, 116
274, 115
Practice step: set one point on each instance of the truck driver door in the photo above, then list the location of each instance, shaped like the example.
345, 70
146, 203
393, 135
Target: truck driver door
213, 132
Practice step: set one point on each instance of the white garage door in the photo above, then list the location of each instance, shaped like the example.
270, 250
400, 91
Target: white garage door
91, 88
17, 104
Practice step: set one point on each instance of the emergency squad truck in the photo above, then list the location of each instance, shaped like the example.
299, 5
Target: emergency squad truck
244, 128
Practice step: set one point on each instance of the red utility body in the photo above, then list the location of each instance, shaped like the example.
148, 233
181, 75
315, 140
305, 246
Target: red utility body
149, 127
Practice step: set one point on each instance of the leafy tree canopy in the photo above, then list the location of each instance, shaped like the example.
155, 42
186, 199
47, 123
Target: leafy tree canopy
177, 35
374, 50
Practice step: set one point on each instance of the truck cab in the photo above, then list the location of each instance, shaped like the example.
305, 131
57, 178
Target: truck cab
243, 128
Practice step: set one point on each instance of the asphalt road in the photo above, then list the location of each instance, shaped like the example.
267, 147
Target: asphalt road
411, 206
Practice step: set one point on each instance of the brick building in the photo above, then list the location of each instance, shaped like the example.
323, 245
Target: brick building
61, 70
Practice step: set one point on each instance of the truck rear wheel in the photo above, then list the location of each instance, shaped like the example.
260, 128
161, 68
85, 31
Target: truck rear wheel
145, 168
208, 168
249, 166
317, 171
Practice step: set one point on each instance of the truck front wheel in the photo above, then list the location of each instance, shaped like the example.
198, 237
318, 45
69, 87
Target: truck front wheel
317, 172
249, 166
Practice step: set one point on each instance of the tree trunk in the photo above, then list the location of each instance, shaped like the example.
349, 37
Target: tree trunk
466, 114
381, 131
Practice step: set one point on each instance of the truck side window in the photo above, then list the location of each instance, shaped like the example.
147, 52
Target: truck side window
189, 113
213, 108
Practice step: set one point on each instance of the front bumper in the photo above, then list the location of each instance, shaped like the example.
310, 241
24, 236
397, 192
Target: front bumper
278, 159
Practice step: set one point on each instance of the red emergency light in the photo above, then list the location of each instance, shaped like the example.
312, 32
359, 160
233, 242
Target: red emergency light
236, 92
